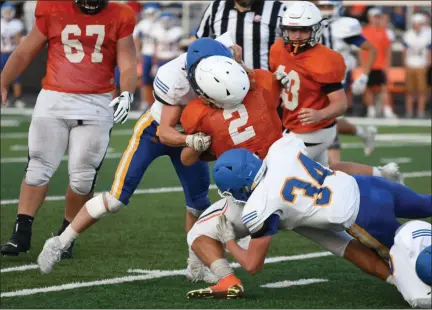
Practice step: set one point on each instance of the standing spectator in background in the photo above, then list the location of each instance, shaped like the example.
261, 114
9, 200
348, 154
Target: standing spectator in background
375, 33
253, 24
11, 34
144, 43
29, 9
417, 59
398, 17
167, 34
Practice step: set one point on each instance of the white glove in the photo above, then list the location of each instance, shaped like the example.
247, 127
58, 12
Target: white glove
121, 106
225, 230
199, 141
283, 78
359, 85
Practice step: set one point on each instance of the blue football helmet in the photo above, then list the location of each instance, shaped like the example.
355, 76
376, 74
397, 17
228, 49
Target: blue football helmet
424, 265
235, 171
8, 11
204, 47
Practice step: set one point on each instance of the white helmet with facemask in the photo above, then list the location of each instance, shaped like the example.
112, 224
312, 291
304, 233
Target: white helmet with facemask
220, 81
300, 15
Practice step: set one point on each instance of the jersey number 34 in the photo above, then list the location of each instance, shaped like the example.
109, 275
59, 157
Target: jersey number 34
74, 44
314, 190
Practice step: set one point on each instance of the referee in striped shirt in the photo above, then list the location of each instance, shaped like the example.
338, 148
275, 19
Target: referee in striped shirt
253, 24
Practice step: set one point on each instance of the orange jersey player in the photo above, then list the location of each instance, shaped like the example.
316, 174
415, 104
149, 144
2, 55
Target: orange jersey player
253, 124
75, 110
312, 76
82, 48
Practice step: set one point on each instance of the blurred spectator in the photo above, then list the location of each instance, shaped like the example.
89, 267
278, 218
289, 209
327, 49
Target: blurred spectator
29, 14
417, 59
386, 23
145, 45
398, 17
377, 83
167, 34
11, 34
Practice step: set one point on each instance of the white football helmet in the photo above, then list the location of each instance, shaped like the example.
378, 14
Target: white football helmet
346, 27
302, 14
220, 81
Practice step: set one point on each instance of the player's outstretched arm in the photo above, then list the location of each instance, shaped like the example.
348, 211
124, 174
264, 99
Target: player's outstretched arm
372, 53
127, 63
189, 156
251, 259
22, 57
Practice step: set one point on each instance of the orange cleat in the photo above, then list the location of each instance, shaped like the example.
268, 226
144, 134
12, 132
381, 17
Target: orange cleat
229, 287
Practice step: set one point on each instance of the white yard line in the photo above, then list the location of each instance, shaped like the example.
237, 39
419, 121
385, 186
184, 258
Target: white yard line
19, 268
287, 283
177, 189
397, 160
150, 274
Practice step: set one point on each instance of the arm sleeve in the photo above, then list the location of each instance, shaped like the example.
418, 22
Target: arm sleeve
41, 15
268, 228
127, 24
355, 40
329, 88
204, 26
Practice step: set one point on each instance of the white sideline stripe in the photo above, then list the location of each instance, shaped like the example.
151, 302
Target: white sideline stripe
397, 160
10, 123
353, 145
152, 274
270, 260
21, 135
176, 189
287, 283
19, 268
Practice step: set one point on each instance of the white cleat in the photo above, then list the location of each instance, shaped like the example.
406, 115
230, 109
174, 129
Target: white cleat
388, 113
369, 139
50, 255
197, 272
391, 172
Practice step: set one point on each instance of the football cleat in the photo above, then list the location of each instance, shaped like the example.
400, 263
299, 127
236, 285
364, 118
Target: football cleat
67, 254
229, 287
50, 255
391, 172
19, 242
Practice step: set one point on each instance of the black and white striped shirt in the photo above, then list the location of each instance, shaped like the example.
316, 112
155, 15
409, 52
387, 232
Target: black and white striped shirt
255, 30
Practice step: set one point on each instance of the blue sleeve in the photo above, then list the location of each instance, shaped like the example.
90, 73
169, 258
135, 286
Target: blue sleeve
355, 40
405, 44
269, 228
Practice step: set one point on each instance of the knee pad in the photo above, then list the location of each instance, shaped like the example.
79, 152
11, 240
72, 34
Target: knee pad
96, 206
38, 173
83, 183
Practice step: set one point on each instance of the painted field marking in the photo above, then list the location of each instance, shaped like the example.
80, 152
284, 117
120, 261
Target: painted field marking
150, 274
177, 189
287, 283
397, 160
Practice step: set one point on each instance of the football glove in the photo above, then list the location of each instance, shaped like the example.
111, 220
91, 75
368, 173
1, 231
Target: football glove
199, 141
283, 78
359, 85
121, 106
225, 230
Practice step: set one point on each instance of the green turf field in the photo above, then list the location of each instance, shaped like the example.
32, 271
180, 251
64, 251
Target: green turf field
149, 235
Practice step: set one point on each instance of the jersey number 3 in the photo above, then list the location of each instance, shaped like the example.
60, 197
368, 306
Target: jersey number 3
290, 95
74, 44
320, 194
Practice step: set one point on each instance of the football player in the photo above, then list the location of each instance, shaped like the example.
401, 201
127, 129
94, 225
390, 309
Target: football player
11, 34
289, 190
155, 134
74, 109
341, 34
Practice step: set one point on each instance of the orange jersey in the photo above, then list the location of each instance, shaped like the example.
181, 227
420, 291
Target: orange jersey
253, 125
82, 48
309, 71
379, 38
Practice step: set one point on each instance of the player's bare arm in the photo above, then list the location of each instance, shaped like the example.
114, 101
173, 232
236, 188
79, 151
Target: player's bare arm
168, 134
372, 53
251, 259
21, 58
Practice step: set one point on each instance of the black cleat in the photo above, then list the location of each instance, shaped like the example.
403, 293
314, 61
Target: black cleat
67, 254
18, 243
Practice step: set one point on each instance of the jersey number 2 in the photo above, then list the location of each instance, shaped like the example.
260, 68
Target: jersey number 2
74, 44
320, 194
237, 136
290, 95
